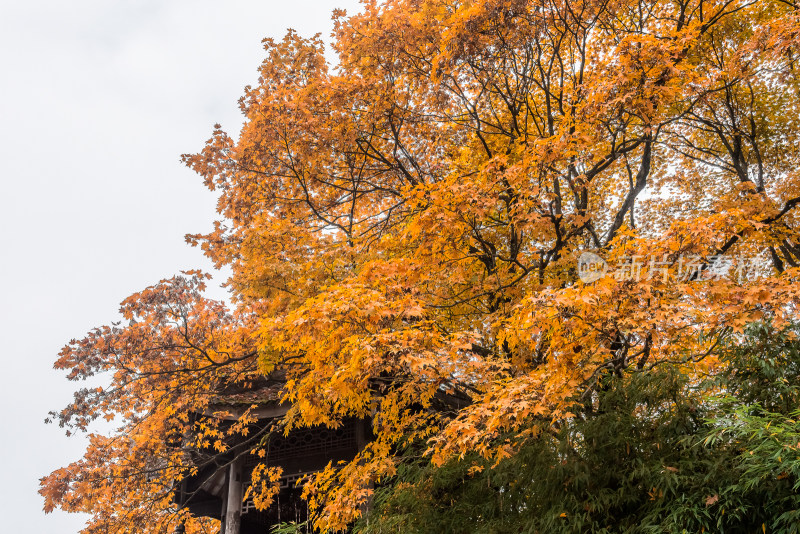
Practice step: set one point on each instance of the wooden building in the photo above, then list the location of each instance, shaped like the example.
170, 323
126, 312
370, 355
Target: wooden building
218, 488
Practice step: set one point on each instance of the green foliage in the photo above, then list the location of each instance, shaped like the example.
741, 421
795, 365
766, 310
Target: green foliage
649, 453
290, 528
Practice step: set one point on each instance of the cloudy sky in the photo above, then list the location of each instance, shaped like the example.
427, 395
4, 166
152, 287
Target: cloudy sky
98, 99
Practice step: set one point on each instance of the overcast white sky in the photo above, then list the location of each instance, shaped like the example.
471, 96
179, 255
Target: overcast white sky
98, 99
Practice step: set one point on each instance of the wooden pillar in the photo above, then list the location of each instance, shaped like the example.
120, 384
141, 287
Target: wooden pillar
233, 514
361, 442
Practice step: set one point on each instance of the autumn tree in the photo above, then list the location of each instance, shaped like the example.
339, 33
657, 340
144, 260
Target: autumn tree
408, 221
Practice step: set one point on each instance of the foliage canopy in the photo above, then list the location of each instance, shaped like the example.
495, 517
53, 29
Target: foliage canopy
408, 221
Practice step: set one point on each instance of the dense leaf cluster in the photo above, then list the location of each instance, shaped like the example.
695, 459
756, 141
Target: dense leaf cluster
652, 453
